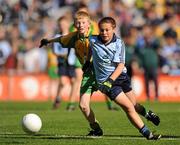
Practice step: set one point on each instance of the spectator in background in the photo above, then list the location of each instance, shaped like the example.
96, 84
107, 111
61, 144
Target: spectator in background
20, 55
35, 59
171, 21
5, 48
171, 53
52, 71
146, 48
11, 62
14, 38
11, 67
132, 61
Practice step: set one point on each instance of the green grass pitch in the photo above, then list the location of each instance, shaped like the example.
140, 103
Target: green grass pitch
69, 128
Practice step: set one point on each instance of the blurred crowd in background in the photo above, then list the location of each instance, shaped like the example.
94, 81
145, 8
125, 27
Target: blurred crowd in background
150, 29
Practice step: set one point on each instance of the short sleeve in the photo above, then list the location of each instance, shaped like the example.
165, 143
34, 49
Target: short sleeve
119, 52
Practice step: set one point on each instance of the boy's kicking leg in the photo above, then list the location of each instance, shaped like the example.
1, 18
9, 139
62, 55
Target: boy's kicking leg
140, 109
128, 107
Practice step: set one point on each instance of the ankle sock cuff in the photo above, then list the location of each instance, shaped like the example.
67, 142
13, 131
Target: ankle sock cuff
145, 131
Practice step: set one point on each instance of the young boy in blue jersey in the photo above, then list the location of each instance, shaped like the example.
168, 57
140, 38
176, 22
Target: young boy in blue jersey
109, 64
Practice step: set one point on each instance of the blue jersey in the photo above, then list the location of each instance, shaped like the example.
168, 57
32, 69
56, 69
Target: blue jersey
107, 57
60, 50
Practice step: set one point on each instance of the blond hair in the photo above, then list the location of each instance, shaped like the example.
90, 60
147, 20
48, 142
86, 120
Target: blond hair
80, 15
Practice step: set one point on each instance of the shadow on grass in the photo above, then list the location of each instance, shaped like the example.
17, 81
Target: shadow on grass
41, 136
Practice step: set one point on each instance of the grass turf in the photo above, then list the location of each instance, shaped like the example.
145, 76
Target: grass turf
69, 128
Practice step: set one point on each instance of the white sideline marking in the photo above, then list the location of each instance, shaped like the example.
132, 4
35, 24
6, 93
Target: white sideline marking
113, 137
106, 137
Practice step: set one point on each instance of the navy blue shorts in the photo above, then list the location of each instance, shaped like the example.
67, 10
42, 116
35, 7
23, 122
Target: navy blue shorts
64, 70
122, 83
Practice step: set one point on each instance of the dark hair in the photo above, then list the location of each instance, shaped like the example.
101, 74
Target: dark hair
170, 33
82, 5
107, 20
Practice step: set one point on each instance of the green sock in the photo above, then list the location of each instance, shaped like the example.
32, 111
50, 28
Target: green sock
71, 104
109, 104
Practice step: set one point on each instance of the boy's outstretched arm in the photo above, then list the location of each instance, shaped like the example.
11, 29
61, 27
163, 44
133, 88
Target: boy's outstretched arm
45, 41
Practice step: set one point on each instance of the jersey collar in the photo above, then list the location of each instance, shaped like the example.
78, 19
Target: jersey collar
112, 40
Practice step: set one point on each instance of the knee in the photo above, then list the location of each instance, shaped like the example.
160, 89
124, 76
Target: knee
78, 78
130, 109
83, 107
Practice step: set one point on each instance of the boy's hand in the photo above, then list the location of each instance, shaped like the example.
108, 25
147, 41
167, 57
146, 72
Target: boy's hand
43, 42
106, 86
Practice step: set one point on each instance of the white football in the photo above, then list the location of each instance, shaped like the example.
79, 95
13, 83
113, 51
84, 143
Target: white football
31, 123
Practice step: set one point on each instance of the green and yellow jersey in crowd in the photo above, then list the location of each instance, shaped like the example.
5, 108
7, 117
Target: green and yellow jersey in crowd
52, 64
